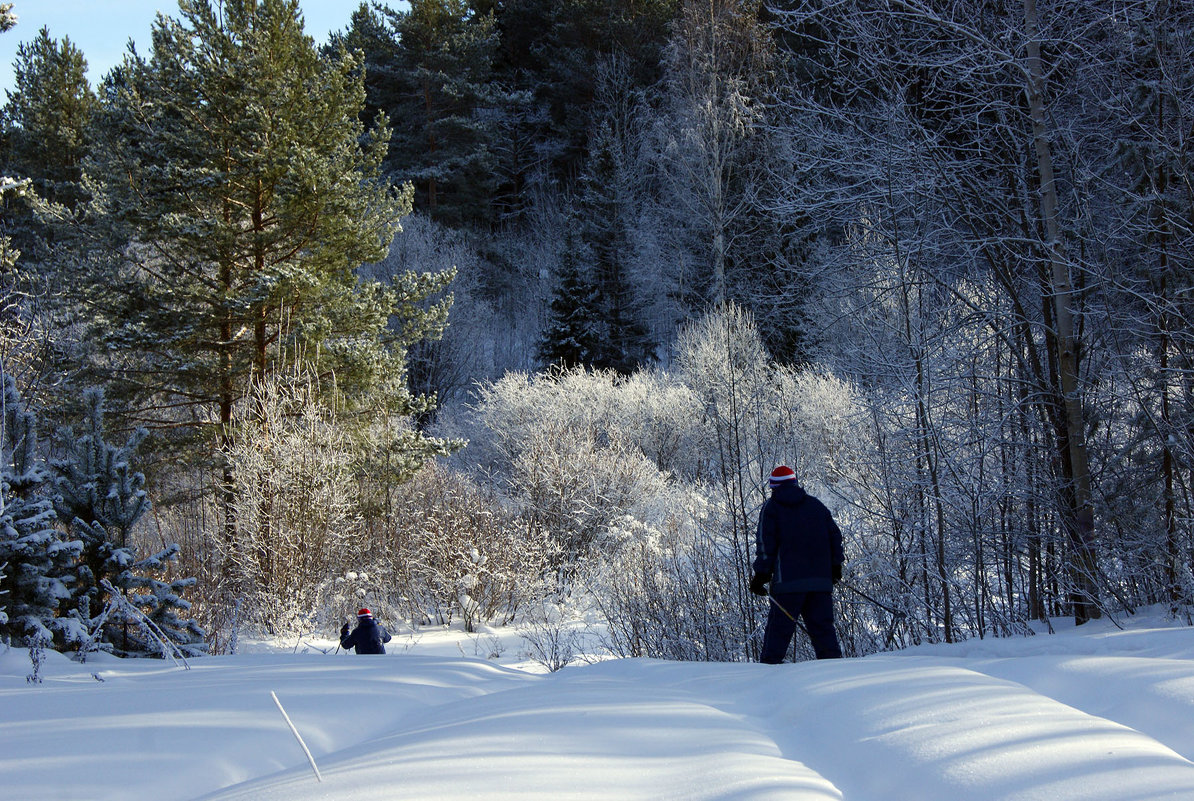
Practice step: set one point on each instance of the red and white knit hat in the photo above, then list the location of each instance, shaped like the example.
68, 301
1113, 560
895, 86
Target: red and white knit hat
364, 613
782, 475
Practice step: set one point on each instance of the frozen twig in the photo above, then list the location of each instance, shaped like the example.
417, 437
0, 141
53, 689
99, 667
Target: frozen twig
297, 736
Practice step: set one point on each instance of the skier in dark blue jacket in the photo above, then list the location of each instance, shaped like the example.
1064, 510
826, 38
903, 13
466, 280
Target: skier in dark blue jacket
799, 552
369, 637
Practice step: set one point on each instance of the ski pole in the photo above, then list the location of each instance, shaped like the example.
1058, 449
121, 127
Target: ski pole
894, 612
780, 607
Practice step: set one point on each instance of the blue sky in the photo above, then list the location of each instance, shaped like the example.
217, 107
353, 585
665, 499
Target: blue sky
102, 28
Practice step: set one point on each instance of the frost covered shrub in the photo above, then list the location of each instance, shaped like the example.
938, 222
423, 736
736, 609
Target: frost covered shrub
659, 415
574, 488
551, 641
567, 446
450, 548
657, 479
679, 590
673, 593
648, 411
296, 506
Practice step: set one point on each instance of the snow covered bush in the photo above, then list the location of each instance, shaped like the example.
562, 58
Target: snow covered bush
296, 508
565, 447
671, 593
674, 584
450, 548
551, 641
574, 488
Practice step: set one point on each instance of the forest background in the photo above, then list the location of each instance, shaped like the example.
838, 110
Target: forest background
503, 311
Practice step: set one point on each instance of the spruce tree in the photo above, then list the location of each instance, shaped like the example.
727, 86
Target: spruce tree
607, 216
551, 49
573, 336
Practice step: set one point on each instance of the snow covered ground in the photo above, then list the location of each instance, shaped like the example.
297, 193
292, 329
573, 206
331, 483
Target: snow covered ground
1090, 714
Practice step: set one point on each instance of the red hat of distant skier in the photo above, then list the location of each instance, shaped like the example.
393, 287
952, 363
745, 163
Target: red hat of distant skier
782, 475
364, 613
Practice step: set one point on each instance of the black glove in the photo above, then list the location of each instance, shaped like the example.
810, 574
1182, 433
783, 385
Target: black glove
758, 583
836, 572
344, 631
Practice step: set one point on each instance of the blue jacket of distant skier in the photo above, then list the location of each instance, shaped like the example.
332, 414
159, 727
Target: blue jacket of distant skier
797, 542
368, 637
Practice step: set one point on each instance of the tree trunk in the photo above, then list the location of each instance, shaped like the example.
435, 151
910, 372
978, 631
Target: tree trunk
1079, 522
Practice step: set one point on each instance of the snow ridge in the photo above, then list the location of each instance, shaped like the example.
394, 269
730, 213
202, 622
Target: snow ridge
1095, 715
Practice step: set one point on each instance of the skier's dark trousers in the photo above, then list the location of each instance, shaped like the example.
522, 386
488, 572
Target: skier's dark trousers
369, 637
799, 553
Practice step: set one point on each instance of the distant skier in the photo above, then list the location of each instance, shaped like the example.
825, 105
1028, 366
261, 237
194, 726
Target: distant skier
369, 637
799, 552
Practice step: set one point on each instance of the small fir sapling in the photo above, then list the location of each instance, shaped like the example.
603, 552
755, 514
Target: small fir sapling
104, 498
101, 500
40, 561
3, 606
37, 655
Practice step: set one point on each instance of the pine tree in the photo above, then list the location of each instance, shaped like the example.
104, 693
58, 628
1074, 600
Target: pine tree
551, 49
161, 603
39, 559
47, 118
14, 282
100, 500
439, 87
238, 191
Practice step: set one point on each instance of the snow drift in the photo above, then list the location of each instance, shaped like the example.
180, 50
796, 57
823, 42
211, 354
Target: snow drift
1090, 714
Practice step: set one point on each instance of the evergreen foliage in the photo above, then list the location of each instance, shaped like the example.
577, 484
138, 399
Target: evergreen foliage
551, 49
39, 557
573, 334
236, 193
15, 282
433, 74
157, 600
606, 216
65, 530
232, 162
101, 498
48, 117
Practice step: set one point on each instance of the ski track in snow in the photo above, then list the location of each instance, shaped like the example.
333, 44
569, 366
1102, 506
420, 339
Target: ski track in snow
1091, 715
